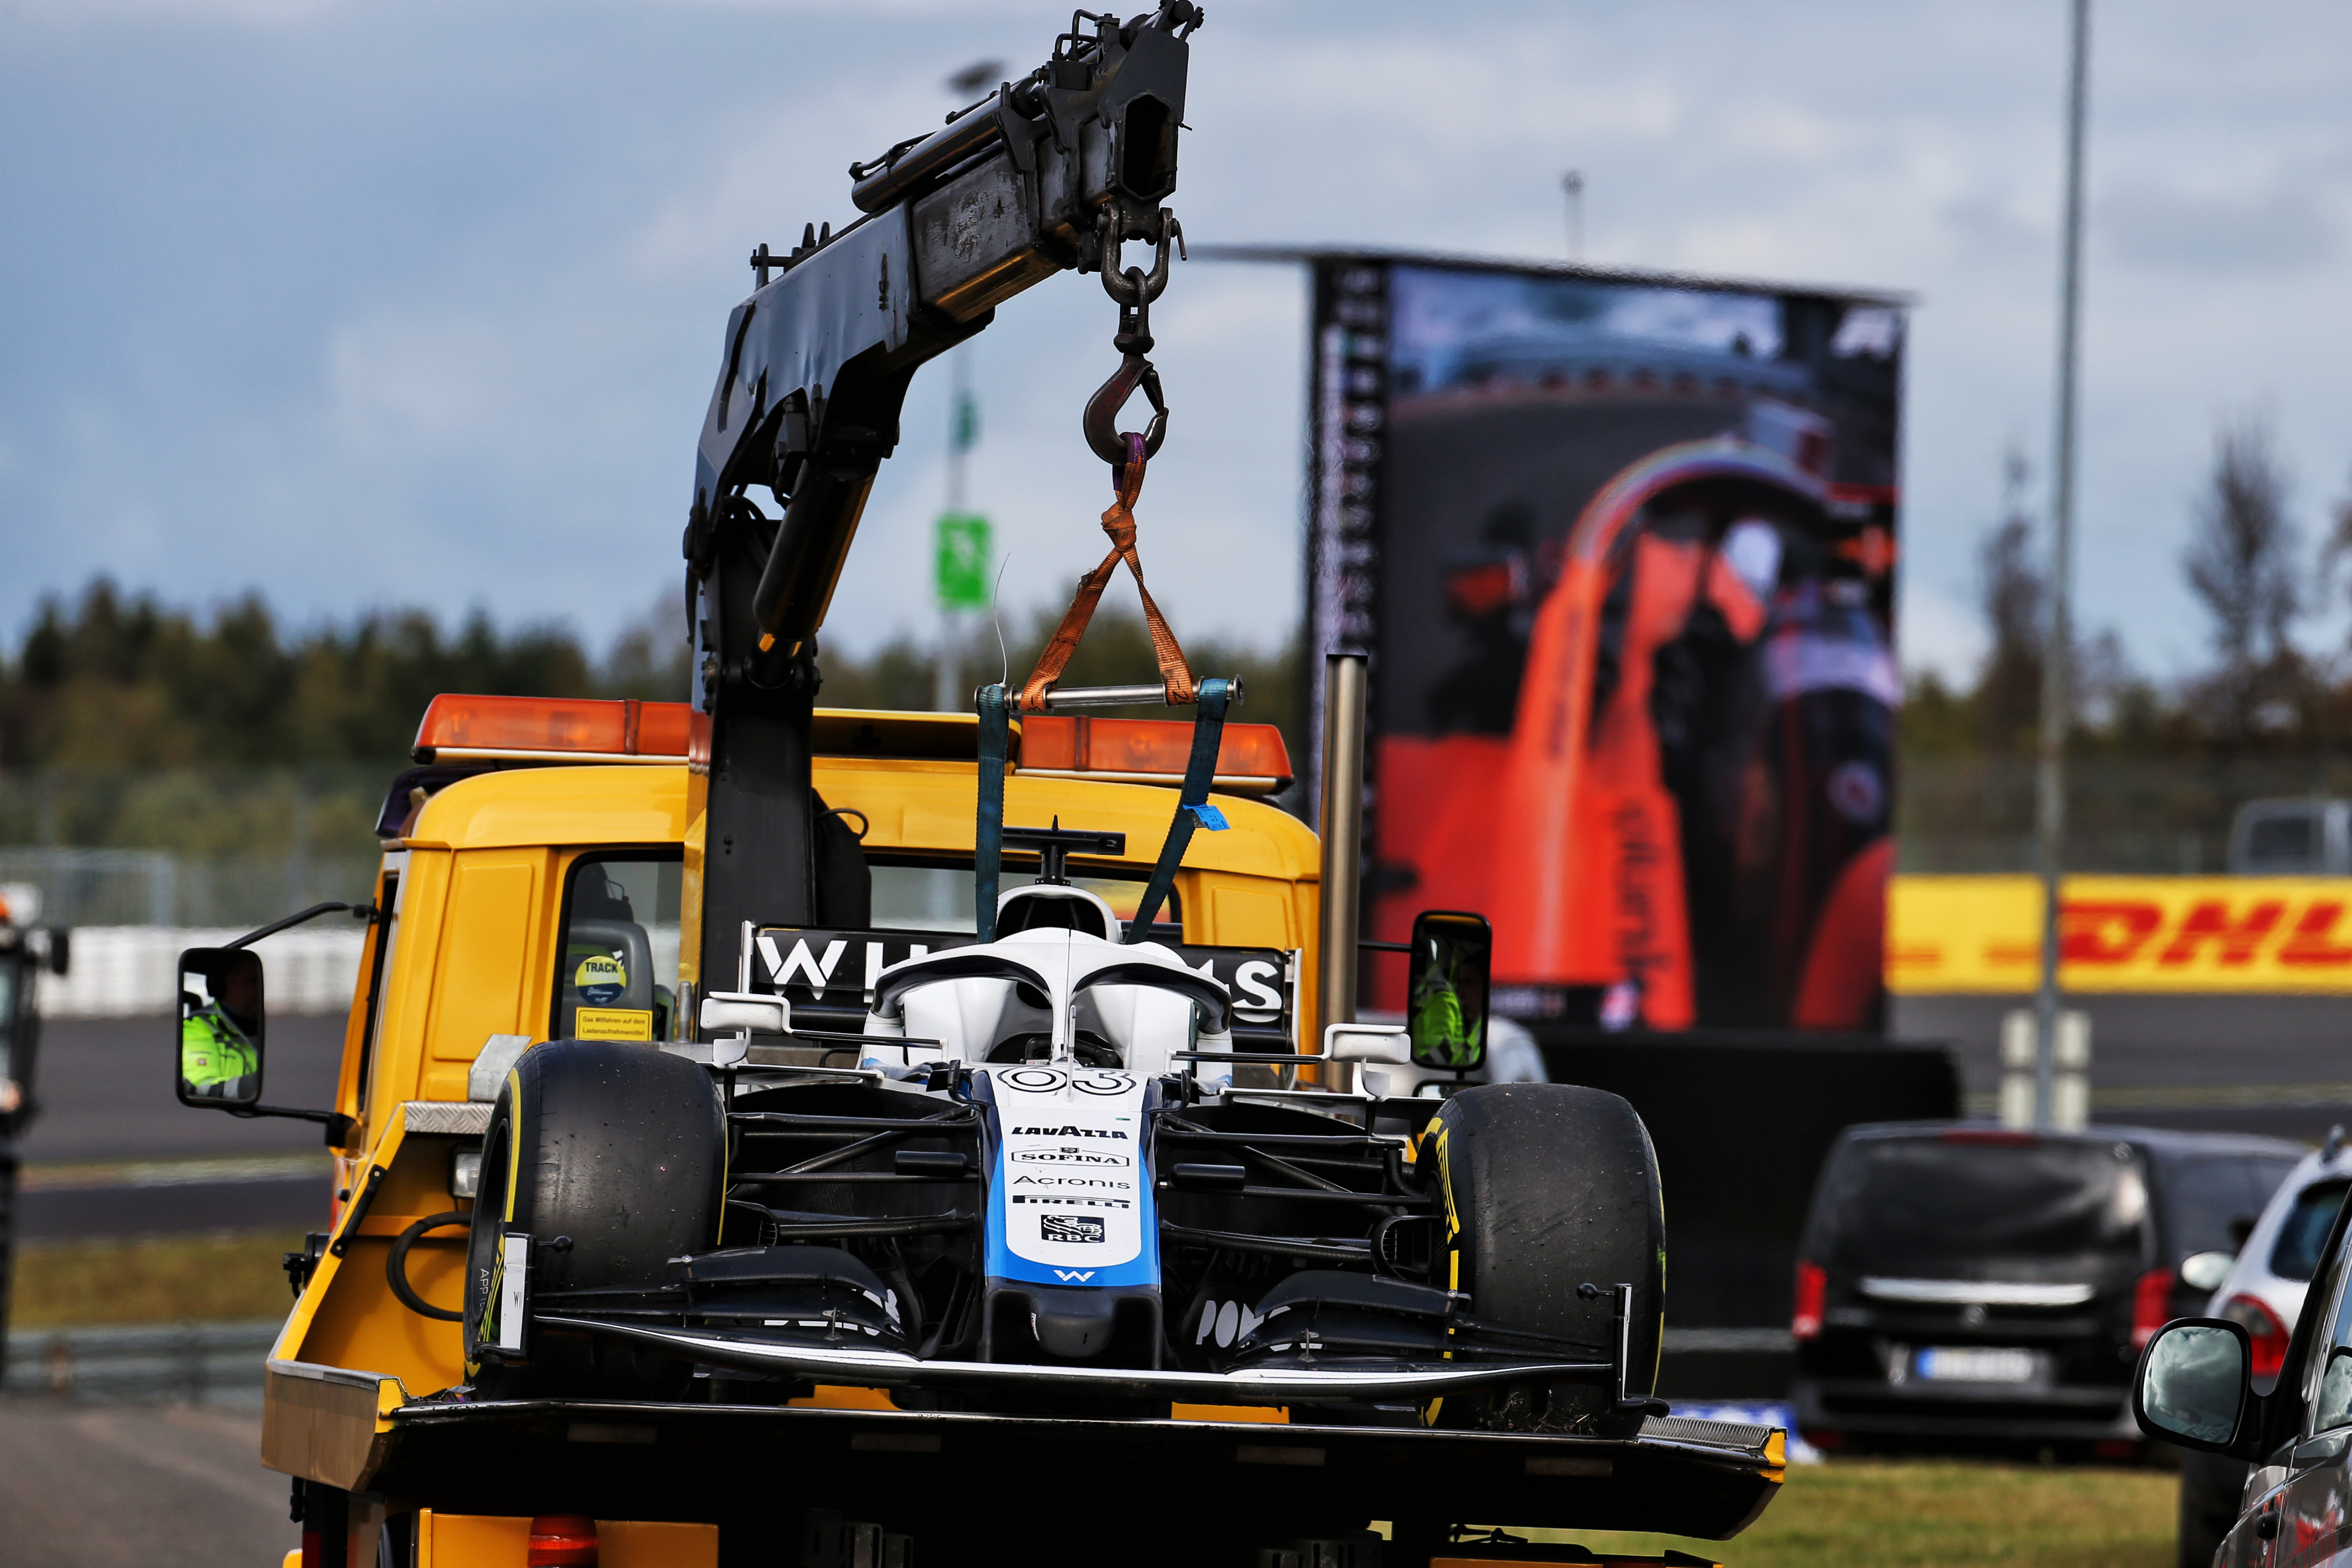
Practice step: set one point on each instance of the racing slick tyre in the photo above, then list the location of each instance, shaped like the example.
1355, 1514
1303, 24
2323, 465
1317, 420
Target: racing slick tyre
1549, 1186
610, 1156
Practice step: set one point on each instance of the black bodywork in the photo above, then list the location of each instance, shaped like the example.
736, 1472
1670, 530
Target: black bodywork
855, 1220
1857, 1380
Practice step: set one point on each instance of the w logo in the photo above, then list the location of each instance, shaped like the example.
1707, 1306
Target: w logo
1073, 1275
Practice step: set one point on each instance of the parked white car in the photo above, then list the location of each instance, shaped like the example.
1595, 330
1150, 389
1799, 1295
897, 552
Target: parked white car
2263, 1289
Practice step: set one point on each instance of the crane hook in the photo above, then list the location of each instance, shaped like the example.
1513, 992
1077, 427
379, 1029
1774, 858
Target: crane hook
1101, 422
1133, 341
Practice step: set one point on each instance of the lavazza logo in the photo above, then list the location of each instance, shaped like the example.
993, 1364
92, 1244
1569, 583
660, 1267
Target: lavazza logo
1068, 1132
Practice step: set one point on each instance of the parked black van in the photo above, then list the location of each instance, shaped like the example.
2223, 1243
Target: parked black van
1961, 1283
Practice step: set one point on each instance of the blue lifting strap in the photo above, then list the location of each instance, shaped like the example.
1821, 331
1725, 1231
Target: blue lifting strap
987, 833
1192, 807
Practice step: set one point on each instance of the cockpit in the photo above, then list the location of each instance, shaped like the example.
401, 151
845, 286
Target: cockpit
1055, 986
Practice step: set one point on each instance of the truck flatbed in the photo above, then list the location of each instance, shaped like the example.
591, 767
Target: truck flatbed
978, 1476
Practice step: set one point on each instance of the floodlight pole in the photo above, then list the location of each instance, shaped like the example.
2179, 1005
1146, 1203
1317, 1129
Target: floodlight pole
2057, 683
1572, 186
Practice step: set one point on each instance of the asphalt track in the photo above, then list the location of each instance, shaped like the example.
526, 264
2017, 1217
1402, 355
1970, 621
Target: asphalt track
105, 1092
115, 1153
2275, 1065
137, 1486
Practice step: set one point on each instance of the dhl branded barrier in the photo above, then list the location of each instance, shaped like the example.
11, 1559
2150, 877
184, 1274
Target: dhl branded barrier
2122, 933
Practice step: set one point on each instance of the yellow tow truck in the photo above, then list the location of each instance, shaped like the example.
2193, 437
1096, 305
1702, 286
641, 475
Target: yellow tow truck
535, 878
772, 1134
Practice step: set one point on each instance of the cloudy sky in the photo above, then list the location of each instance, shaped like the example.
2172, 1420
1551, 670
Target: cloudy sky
420, 303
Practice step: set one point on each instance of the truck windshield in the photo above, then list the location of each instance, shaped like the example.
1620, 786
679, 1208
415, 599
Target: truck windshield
1939, 1207
939, 897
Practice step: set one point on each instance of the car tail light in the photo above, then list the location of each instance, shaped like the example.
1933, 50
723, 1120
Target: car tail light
1812, 1289
2151, 1305
562, 1540
2269, 1336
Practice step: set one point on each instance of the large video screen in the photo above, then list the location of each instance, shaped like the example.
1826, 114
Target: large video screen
1621, 552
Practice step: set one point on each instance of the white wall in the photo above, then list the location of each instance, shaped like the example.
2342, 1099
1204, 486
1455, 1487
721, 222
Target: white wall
118, 971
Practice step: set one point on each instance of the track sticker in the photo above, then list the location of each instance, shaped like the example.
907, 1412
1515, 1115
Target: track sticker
601, 979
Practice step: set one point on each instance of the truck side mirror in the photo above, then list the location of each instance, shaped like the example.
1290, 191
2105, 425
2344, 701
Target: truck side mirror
221, 1025
2192, 1383
1446, 992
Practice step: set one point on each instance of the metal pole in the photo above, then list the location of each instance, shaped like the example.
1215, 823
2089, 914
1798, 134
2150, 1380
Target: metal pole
949, 695
2057, 693
1572, 183
1343, 831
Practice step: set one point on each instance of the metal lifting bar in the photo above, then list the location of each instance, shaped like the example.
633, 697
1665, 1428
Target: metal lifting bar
1059, 697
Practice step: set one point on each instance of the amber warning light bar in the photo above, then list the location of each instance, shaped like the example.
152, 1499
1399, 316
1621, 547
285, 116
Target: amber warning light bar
458, 727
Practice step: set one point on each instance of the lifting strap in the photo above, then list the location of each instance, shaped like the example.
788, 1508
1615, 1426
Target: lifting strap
1127, 483
1192, 807
988, 832
1210, 699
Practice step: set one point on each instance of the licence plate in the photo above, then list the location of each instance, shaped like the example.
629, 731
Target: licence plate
1973, 1364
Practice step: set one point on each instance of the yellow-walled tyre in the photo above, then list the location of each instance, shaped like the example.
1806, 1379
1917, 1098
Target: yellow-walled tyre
611, 1156
1549, 1186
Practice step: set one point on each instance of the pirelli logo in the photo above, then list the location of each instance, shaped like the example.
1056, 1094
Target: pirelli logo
2122, 933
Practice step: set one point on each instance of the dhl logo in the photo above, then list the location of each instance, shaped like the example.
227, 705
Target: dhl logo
2122, 933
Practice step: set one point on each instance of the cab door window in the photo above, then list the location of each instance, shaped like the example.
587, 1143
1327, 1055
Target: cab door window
616, 965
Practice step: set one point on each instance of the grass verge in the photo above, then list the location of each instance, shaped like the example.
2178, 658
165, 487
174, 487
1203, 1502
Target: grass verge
151, 1279
1881, 1513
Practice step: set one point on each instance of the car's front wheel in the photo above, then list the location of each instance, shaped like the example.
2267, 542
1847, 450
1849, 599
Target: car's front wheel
1548, 1187
610, 1157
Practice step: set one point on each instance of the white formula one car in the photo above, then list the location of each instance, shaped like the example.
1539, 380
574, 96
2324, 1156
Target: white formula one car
1049, 1184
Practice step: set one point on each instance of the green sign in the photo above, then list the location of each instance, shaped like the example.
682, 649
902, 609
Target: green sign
961, 562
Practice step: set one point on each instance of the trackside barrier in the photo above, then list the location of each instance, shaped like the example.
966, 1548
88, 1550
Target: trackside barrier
165, 1363
122, 971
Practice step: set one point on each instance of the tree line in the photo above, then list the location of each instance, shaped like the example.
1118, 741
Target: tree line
116, 681
2255, 573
